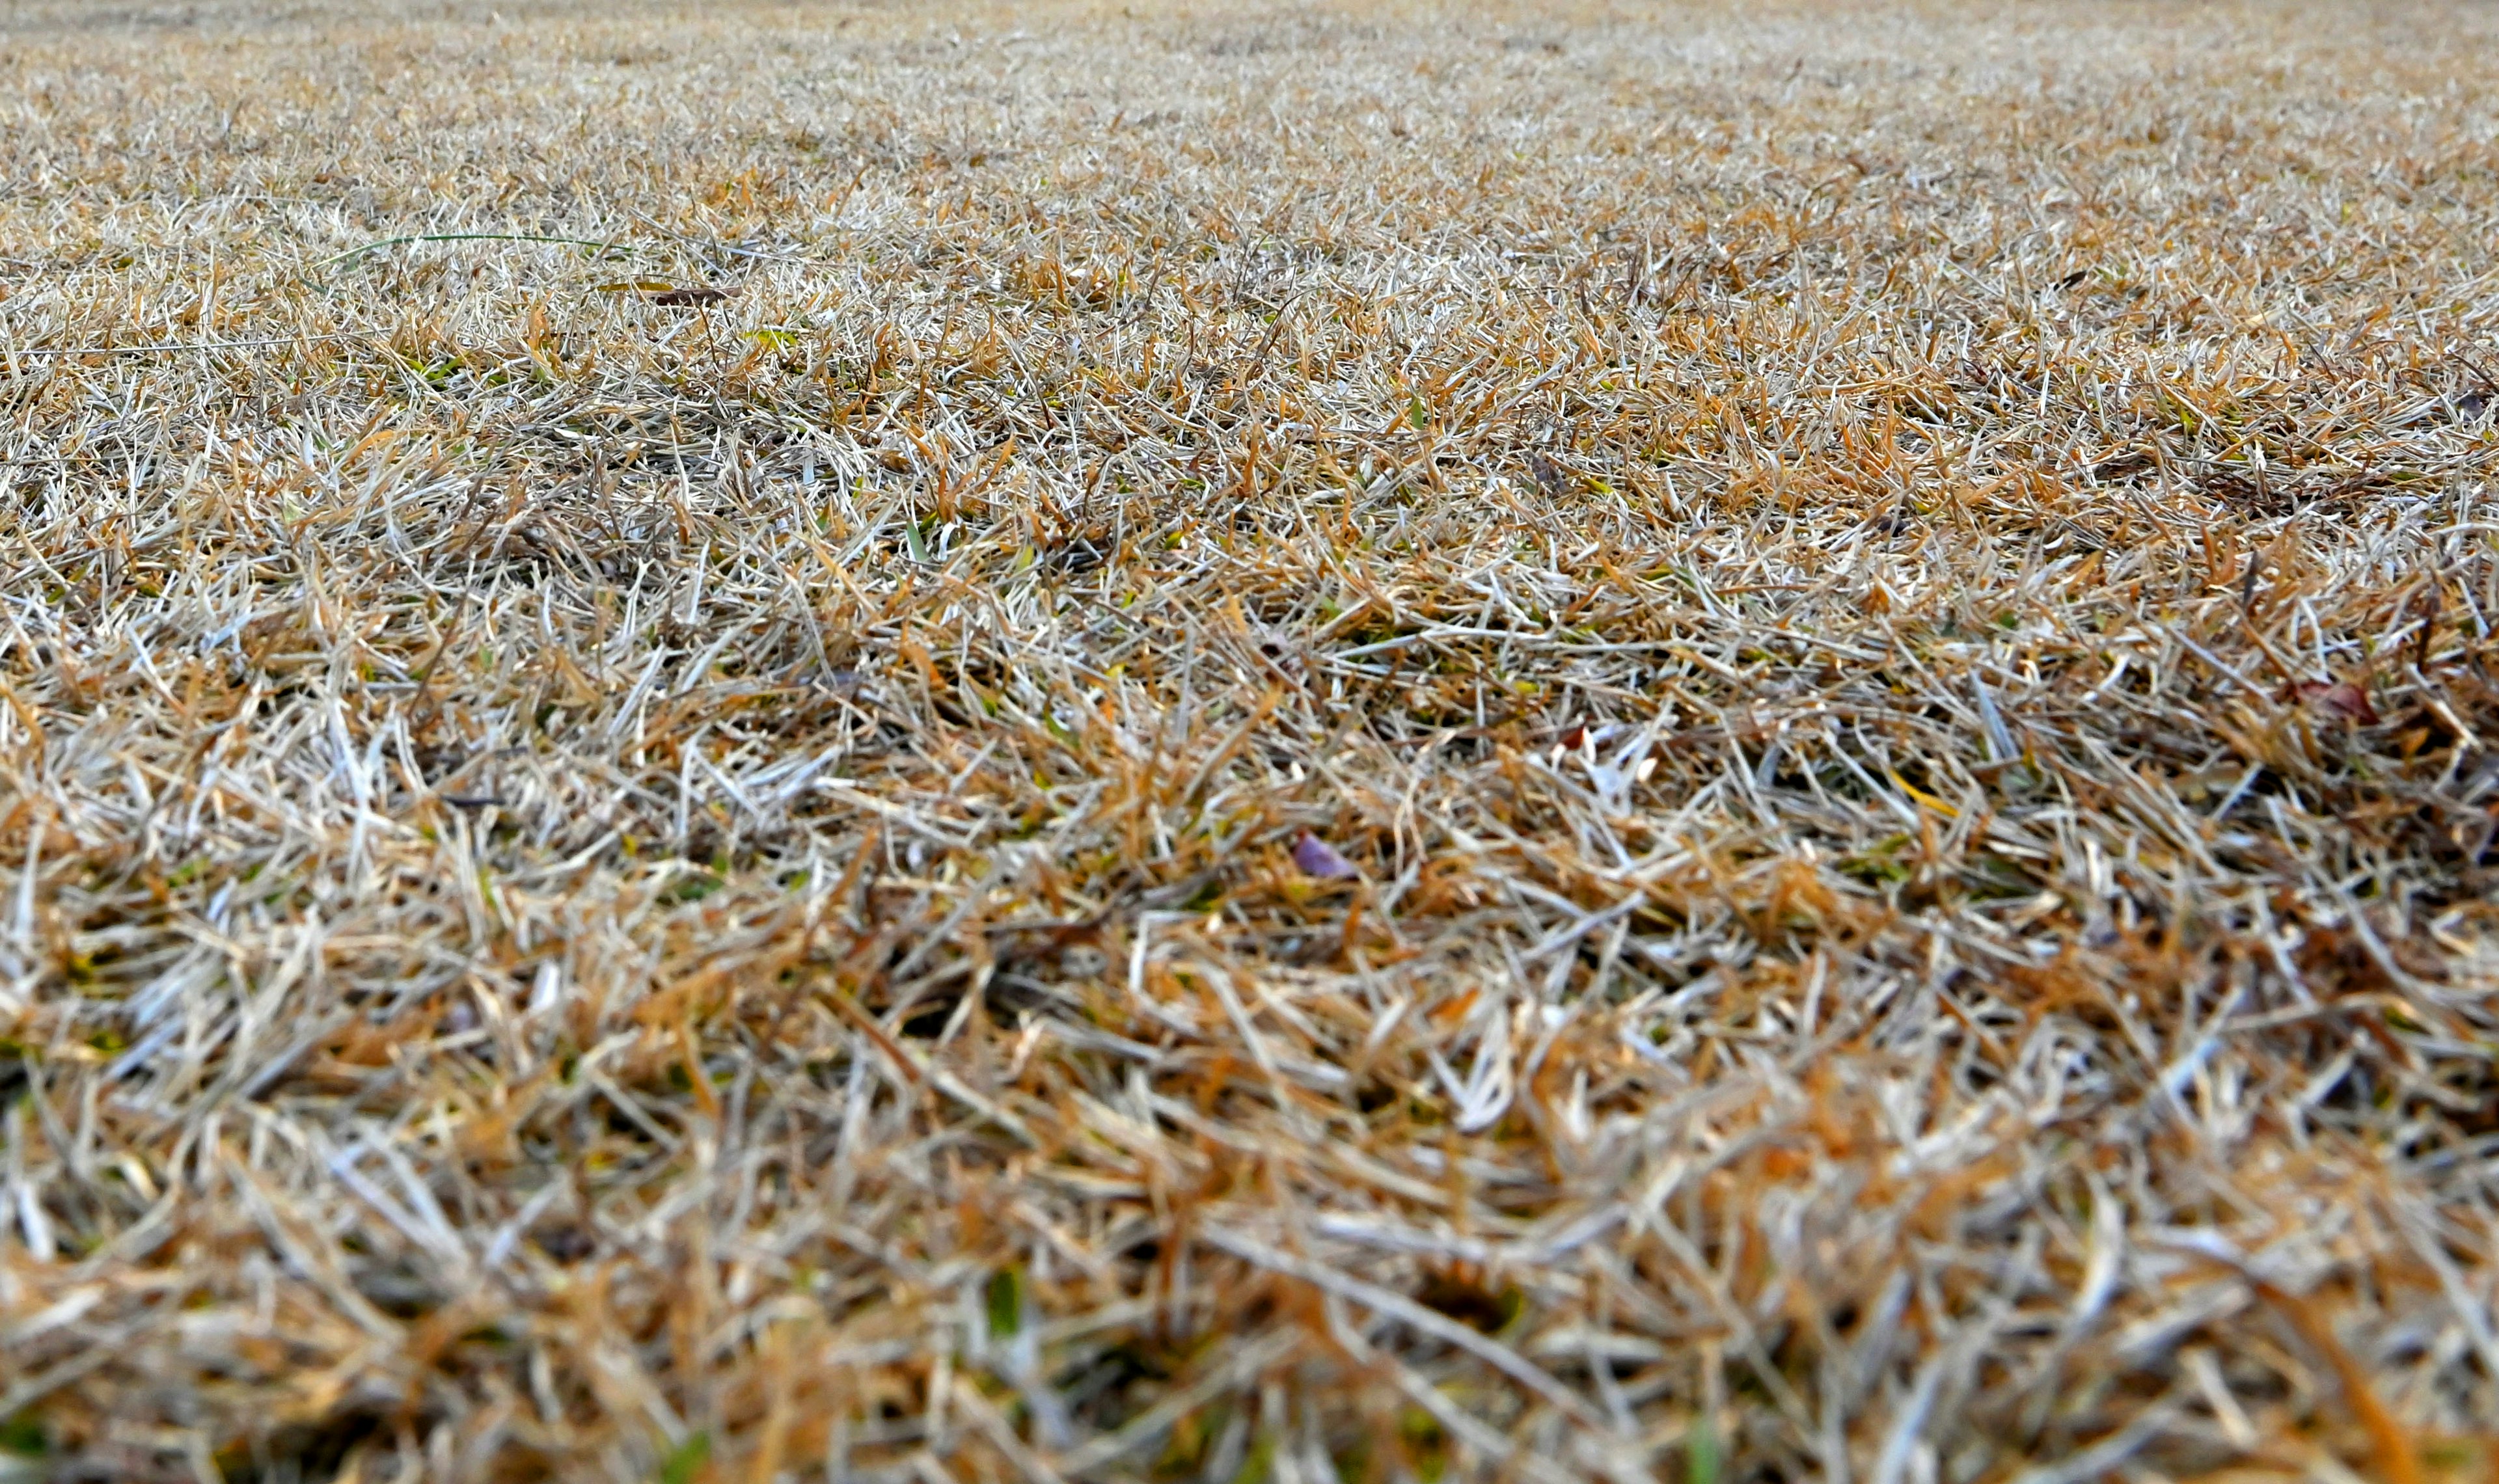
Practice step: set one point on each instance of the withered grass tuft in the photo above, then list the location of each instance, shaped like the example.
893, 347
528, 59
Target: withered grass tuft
1344, 742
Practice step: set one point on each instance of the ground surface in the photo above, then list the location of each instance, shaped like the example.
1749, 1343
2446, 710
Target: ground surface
1371, 742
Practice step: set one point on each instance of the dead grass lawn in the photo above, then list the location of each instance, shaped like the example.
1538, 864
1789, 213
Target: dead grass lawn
1351, 742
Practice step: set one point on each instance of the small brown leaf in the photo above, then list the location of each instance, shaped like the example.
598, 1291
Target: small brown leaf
2342, 698
1550, 475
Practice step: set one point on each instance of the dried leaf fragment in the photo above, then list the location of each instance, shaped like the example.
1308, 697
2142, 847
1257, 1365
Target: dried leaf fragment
2341, 697
1318, 859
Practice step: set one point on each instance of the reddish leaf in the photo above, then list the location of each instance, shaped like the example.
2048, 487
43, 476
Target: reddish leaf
2342, 697
1316, 857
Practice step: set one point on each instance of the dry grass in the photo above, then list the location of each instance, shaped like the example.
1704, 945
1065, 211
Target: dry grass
1354, 743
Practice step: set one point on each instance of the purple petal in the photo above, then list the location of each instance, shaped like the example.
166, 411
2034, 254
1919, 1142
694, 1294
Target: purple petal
1316, 857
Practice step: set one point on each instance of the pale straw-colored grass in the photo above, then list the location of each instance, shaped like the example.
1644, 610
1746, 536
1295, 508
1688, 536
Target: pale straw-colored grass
1351, 742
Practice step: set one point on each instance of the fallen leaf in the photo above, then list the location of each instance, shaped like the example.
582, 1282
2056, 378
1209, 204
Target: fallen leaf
1550, 476
1316, 857
2341, 697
